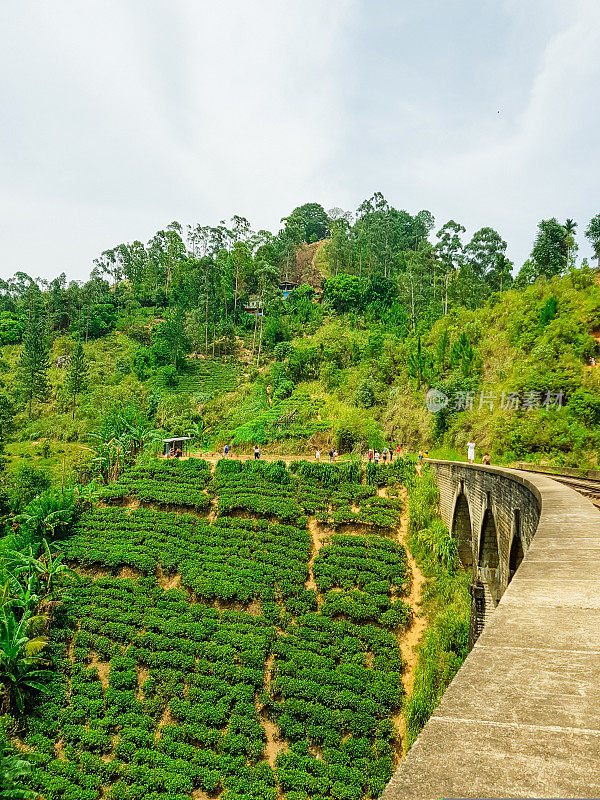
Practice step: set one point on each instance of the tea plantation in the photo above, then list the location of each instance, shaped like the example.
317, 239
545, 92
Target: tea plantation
194, 661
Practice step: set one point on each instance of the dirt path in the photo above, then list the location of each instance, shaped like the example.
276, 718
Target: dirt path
318, 537
409, 639
274, 744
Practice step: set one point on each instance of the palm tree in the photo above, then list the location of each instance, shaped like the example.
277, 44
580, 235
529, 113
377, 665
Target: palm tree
569, 229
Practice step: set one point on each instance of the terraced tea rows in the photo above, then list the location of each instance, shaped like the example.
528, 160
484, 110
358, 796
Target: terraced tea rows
165, 483
171, 693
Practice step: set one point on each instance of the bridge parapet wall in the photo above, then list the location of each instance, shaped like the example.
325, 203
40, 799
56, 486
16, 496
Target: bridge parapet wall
513, 503
522, 716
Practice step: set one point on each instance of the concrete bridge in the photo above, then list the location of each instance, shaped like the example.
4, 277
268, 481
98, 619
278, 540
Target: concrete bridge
522, 716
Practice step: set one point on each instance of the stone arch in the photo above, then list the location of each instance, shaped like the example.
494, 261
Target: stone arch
489, 557
462, 531
516, 547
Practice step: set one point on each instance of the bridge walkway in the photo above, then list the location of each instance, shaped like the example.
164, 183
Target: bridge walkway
522, 716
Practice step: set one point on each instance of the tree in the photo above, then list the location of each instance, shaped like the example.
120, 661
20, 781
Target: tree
417, 284
314, 221
423, 224
77, 373
34, 361
500, 277
526, 276
484, 250
170, 342
343, 291
240, 261
569, 228
338, 250
416, 361
123, 433
449, 250
291, 237
592, 232
550, 250
462, 355
48, 571
267, 278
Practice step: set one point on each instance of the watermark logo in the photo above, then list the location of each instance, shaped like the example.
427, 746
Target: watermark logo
436, 400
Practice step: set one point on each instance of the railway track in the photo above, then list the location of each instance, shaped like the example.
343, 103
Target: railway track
588, 487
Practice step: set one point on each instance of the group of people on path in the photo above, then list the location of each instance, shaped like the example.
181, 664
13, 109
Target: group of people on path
227, 453
333, 454
375, 456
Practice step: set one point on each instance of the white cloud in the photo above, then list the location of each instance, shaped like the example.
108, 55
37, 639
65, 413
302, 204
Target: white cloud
544, 162
121, 115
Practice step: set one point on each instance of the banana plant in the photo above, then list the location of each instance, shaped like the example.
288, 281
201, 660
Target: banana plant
21, 663
24, 593
12, 770
46, 571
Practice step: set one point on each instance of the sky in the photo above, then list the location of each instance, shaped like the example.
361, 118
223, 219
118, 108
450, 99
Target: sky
120, 116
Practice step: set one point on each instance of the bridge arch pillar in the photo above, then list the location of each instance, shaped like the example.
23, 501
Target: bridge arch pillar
462, 527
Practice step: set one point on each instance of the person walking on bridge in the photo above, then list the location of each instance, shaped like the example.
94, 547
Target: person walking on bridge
471, 451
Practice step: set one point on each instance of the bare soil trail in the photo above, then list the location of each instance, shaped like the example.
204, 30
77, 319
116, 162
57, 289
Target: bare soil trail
318, 536
410, 638
275, 744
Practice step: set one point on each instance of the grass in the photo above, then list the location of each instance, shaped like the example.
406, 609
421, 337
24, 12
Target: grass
446, 601
59, 459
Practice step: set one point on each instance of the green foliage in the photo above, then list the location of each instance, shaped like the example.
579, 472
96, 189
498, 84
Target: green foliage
164, 482
585, 407
21, 643
48, 515
34, 362
123, 433
170, 343
593, 234
550, 251
11, 328
76, 378
27, 482
13, 767
549, 310
445, 644
167, 689
314, 221
365, 393
343, 292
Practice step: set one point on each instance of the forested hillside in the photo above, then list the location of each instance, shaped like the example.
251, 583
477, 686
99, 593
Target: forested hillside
329, 333
216, 628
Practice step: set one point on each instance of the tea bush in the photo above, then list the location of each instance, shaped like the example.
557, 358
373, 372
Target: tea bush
161, 692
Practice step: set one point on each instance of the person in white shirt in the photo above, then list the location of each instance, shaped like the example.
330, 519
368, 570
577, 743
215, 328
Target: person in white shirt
318, 455
471, 451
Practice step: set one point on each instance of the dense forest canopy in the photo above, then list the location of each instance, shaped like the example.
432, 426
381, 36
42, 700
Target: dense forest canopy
421, 305
378, 258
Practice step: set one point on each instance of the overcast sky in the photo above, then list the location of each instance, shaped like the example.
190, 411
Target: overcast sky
119, 116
